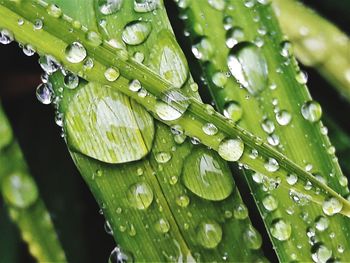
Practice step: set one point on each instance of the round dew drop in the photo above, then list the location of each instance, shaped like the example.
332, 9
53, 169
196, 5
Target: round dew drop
281, 230
321, 223
120, 256
231, 149
140, 195
283, 117
162, 226
252, 238
183, 200
145, 6
270, 203
6, 36
75, 52
54, 11
332, 206
109, 7
135, 85
271, 165
49, 64
44, 93
320, 253
209, 129
217, 4
71, 81
311, 111
209, 234
240, 212
136, 32
162, 157
112, 74
233, 111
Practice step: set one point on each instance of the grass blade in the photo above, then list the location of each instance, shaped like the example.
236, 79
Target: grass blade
317, 43
166, 222
273, 112
23, 203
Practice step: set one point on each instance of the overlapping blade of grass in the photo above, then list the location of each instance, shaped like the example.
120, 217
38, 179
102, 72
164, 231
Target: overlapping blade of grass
24, 21
317, 42
267, 95
153, 216
23, 202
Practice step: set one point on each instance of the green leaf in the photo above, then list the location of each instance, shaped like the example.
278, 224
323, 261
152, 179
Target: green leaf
24, 204
282, 113
317, 43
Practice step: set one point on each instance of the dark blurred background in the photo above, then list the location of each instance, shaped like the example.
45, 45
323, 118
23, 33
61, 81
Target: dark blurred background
74, 211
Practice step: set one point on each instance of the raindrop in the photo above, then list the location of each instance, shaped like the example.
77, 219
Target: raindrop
271, 165
301, 77
292, 179
28, 50
120, 256
38, 24
268, 126
75, 52
209, 129
183, 200
207, 175
144, 6
203, 49
217, 4
71, 81
233, 111
162, 226
252, 238
273, 140
270, 203
112, 74
135, 85
108, 7
209, 234
162, 157
248, 65
240, 211
283, 117
136, 32
281, 229
332, 206
44, 93
231, 149
311, 111
19, 190
234, 36
54, 11
173, 105
321, 223
320, 253
49, 64
140, 195
286, 50
219, 79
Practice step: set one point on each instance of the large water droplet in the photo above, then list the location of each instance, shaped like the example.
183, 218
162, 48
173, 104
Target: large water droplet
281, 229
6, 36
140, 195
231, 149
44, 93
144, 6
112, 128
108, 7
49, 64
19, 190
234, 36
332, 206
209, 234
75, 52
120, 256
248, 65
311, 111
207, 175
252, 238
203, 49
320, 253
136, 32
233, 111
173, 105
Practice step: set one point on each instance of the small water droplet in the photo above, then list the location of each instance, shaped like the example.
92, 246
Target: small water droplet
173, 105
135, 85
320, 253
209, 129
252, 238
283, 117
286, 50
311, 111
144, 6
54, 10
301, 77
94, 38
140, 195
240, 211
120, 256
271, 165
136, 32
321, 223
231, 149
268, 126
28, 50
44, 93
49, 64
108, 7
292, 179
71, 81
281, 229
332, 206
38, 24
183, 200
209, 234
112, 74
75, 52
270, 203
233, 111
219, 79
162, 157
217, 4
234, 36
162, 226
203, 49
248, 65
